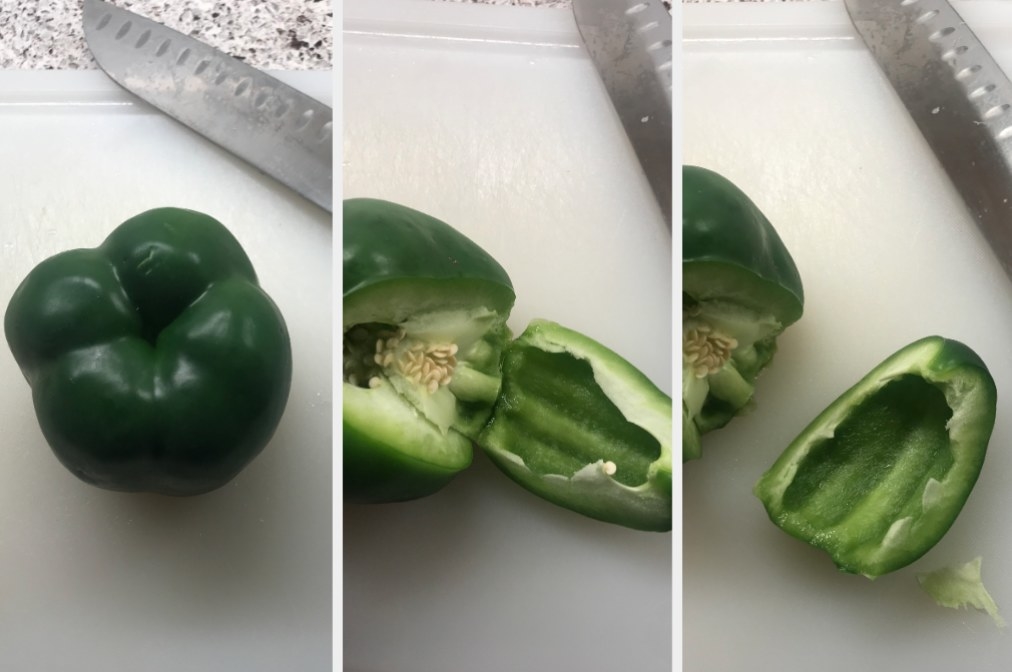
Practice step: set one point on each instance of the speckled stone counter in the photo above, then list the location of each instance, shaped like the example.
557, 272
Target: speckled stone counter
268, 34
518, 3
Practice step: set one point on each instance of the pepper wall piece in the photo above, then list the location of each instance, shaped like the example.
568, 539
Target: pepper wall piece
156, 361
581, 427
879, 477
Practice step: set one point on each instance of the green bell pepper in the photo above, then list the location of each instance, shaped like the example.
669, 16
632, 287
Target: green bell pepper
741, 289
424, 326
579, 426
880, 475
155, 360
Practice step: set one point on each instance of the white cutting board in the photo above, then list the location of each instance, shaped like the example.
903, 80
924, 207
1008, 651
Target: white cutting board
238, 579
786, 102
494, 120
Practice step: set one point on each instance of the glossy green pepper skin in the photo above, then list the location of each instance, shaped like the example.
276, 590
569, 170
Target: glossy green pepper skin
579, 426
741, 289
424, 324
879, 477
156, 361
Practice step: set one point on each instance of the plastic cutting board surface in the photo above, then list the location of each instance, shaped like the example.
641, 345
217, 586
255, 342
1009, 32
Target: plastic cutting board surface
237, 579
493, 119
786, 102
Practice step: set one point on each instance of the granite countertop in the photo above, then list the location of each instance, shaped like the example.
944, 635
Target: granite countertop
268, 34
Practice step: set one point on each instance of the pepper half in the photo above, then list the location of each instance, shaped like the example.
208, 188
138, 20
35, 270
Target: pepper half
579, 426
880, 476
156, 361
741, 289
424, 325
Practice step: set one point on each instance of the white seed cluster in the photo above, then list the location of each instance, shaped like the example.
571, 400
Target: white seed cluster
706, 350
422, 363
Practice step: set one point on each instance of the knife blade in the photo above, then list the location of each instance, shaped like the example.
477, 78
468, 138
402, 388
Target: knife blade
629, 42
281, 131
956, 94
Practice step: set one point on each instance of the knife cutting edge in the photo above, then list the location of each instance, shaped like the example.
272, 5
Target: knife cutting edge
281, 131
957, 95
630, 44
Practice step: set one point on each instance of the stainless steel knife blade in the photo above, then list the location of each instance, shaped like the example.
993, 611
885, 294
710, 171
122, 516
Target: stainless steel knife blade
630, 44
281, 131
957, 95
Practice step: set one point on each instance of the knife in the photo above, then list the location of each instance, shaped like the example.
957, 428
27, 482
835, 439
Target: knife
957, 95
279, 130
630, 44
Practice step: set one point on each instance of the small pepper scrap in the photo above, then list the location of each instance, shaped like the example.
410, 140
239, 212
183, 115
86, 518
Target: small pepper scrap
961, 586
581, 427
156, 361
879, 477
741, 289
425, 312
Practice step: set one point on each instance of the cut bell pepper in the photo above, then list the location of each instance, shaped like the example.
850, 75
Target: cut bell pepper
424, 324
879, 477
741, 289
579, 426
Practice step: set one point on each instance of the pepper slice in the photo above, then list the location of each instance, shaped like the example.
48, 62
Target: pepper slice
880, 475
156, 361
424, 324
741, 289
579, 426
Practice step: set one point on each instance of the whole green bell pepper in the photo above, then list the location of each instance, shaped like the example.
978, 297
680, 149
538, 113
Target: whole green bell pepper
424, 325
880, 475
741, 289
156, 361
579, 426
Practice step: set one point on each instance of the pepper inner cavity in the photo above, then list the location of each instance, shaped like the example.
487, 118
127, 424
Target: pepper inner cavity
892, 444
555, 417
374, 351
